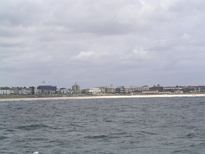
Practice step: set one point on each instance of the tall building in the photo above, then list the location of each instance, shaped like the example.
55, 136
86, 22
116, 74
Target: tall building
76, 88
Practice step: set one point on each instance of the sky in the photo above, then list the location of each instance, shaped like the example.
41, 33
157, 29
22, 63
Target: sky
103, 42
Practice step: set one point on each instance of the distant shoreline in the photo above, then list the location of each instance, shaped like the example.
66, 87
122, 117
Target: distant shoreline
100, 97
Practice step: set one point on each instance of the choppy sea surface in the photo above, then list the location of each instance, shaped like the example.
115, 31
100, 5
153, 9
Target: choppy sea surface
104, 126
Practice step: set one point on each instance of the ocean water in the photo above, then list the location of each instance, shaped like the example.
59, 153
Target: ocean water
104, 126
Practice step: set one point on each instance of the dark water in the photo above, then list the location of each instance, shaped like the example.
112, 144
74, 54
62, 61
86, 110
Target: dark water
113, 126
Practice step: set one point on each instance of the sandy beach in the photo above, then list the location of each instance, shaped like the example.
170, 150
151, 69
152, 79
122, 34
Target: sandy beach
100, 97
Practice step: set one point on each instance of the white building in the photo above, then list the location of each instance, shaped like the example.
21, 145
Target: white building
6, 91
26, 91
65, 91
140, 89
94, 91
109, 90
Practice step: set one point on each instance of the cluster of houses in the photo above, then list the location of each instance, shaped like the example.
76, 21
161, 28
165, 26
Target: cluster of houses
48, 90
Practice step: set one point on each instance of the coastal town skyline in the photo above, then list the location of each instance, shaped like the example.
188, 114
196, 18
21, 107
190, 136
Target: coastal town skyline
77, 90
43, 83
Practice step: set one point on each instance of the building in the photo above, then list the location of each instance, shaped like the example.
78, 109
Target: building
172, 89
17, 91
109, 90
76, 89
150, 92
178, 92
33, 89
24, 91
6, 91
46, 89
140, 89
156, 88
94, 91
190, 89
119, 90
64, 91
102, 89
84, 91
201, 88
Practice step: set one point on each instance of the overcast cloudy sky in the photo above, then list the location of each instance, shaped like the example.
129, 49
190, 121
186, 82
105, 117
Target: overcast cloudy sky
102, 42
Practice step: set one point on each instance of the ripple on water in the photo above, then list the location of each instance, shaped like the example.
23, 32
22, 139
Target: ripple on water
121, 126
183, 151
97, 137
3, 138
146, 133
32, 127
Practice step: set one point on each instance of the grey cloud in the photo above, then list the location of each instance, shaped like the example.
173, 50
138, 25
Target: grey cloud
116, 41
